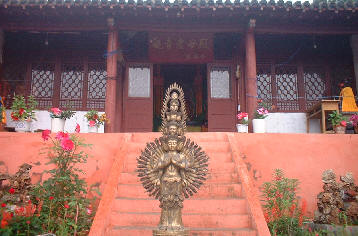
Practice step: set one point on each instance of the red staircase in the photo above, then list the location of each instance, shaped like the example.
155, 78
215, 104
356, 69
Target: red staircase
219, 207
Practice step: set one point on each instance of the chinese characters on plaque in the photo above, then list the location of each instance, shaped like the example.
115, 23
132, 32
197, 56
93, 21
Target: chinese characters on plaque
181, 47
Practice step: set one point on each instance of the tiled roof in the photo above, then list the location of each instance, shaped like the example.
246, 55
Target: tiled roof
333, 6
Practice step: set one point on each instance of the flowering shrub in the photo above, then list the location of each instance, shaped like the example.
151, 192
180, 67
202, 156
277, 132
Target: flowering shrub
94, 119
22, 109
354, 120
59, 204
283, 212
337, 119
55, 112
261, 110
243, 118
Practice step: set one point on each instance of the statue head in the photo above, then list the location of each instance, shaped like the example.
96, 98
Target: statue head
172, 143
174, 95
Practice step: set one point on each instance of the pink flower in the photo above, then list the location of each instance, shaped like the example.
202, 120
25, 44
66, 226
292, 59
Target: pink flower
66, 206
46, 134
78, 128
92, 123
67, 144
61, 135
343, 123
56, 111
89, 211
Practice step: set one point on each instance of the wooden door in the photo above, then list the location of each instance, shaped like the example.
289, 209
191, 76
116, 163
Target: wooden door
221, 98
138, 98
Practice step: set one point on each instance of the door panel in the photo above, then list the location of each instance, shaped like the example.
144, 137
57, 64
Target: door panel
221, 98
138, 98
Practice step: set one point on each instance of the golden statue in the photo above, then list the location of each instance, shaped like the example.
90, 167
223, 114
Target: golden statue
172, 167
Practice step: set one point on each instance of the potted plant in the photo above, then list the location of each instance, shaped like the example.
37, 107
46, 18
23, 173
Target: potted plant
338, 122
58, 119
259, 123
95, 120
23, 112
242, 126
354, 120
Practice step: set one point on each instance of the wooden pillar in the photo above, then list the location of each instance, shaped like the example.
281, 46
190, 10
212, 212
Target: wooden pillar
250, 70
112, 77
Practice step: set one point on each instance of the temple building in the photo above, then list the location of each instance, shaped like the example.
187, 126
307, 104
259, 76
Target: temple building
118, 56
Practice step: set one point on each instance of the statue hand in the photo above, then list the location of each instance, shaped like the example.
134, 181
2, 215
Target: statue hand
157, 182
185, 183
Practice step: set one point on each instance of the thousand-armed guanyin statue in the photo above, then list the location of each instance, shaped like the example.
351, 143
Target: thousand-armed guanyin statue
172, 166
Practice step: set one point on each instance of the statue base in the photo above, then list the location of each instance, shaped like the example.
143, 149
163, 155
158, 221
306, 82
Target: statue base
158, 232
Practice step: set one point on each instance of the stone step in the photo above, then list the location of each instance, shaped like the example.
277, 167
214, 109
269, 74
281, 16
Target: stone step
214, 146
195, 136
147, 231
202, 206
132, 178
214, 167
208, 190
189, 220
215, 157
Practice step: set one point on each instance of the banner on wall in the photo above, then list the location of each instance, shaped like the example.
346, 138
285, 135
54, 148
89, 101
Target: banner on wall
180, 47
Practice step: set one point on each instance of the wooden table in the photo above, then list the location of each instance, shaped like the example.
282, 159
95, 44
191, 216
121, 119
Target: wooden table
318, 111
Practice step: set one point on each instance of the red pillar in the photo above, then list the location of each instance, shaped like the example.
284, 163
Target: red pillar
112, 77
250, 71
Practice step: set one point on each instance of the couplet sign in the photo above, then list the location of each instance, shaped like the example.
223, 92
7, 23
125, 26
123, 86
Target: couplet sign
180, 47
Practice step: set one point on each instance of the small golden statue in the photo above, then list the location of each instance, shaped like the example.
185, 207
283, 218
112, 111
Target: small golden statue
172, 166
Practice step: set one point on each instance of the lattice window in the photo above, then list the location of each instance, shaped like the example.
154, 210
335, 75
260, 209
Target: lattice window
264, 84
314, 84
97, 82
71, 85
42, 79
287, 88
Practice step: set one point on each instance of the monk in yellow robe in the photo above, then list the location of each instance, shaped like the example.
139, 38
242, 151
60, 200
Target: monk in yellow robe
348, 100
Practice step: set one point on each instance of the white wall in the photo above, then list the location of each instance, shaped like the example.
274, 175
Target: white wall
290, 123
44, 122
275, 122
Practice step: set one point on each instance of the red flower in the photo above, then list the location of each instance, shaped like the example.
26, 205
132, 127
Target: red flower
343, 123
61, 135
95, 117
28, 222
14, 117
46, 134
21, 111
3, 224
66, 206
11, 191
92, 123
56, 111
3, 205
50, 198
78, 128
67, 144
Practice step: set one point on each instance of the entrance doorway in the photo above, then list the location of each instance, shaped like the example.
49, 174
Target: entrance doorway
192, 78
